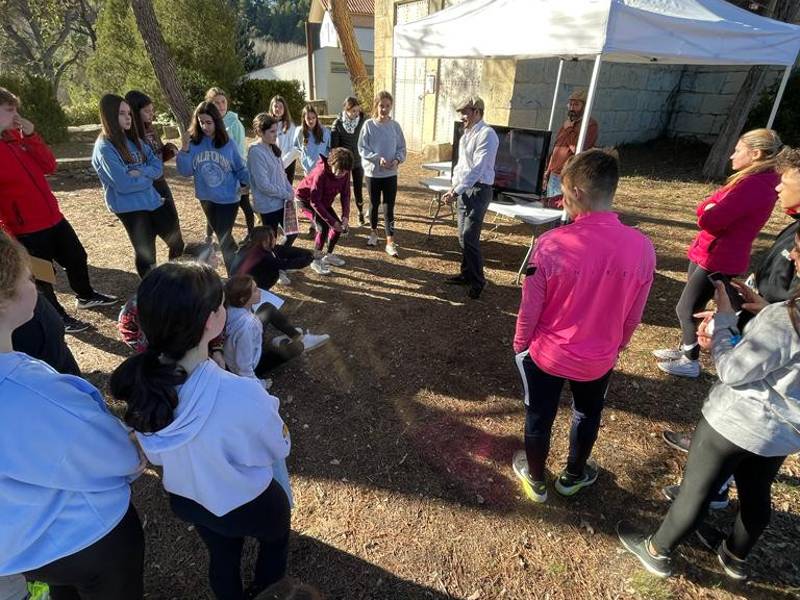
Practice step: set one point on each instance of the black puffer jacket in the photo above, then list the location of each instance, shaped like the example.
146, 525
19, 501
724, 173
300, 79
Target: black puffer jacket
341, 139
775, 276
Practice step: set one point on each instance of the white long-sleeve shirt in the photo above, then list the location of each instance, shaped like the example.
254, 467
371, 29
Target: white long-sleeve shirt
477, 151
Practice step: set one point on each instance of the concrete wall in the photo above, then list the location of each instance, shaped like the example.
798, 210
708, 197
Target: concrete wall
294, 69
332, 79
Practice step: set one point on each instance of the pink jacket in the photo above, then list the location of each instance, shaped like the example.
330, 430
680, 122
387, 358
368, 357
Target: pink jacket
319, 189
728, 228
585, 296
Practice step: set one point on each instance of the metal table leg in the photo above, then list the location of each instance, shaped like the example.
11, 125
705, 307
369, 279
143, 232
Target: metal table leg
525, 261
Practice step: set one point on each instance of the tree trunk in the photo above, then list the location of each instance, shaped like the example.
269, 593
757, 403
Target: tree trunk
162, 61
717, 161
362, 83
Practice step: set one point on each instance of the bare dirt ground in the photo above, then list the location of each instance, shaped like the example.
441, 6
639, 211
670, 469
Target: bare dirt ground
404, 426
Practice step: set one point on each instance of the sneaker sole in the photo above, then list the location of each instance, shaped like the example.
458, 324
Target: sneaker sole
315, 346
571, 491
666, 357
672, 444
647, 567
528, 488
732, 574
94, 304
664, 367
75, 330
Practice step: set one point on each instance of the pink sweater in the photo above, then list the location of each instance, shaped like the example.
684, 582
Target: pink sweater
585, 297
728, 228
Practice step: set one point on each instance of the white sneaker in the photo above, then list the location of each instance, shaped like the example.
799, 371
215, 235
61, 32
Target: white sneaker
283, 278
391, 249
683, 367
311, 340
668, 353
373, 239
320, 267
332, 260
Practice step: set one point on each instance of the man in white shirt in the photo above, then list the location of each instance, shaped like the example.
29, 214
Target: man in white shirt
472, 182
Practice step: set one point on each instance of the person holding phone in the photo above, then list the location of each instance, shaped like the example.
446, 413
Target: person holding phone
729, 221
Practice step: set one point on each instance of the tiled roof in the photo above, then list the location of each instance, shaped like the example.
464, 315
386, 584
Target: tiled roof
357, 7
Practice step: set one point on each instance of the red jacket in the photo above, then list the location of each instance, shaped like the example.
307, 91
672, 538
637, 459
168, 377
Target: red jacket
728, 228
319, 189
27, 203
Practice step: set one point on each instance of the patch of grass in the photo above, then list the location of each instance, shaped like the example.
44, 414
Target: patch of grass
557, 568
650, 587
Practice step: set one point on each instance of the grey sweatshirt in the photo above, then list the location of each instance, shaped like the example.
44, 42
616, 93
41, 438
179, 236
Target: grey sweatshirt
756, 403
381, 140
268, 182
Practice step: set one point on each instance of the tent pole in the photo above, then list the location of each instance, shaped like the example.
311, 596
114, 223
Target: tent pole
587, 110
778, 97
555, 94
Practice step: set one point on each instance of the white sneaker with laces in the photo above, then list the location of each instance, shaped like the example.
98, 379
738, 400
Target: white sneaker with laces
391, 249
283, 278
320, 267
311, 340
333, 261
668, 353
373, 239
683, 367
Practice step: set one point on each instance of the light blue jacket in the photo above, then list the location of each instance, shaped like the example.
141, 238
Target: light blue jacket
218, 172
221, 447
311, 151
65, 465
235, 130
123, 192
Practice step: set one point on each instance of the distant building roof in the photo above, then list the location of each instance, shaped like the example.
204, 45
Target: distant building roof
356, 7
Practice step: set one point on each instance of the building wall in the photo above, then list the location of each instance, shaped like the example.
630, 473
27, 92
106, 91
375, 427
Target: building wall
332, 78
294, 69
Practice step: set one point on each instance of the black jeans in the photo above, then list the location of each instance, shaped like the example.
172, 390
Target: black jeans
712, 460
175, 239
247, 210
221, 218
358, 188
266, 518
694, 297
470, 211
112, 567
385, 187
542, 393
275, 219
60, 243
143, 226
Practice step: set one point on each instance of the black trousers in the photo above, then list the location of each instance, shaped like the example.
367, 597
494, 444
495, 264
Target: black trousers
175, 239
382, 188
247, 211
274, 219
542, 393
221, 218
143, 226
358, 188
712, 460
694, 297
60, 243
112, 567
266, 518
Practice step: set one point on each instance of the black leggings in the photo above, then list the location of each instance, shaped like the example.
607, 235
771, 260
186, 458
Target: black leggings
386, 187
247, 210
266, 518
220, 218
696, 294
290, 171
175, 239
274, 219
112, 567
143, 226
542, 393
358, 188
712, 460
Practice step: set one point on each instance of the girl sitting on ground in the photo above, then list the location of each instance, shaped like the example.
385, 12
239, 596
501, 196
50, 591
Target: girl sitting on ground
312, 139
265, 260
316, 193
205, 426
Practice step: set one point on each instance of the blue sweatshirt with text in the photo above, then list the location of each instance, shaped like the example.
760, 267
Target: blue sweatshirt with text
218, 172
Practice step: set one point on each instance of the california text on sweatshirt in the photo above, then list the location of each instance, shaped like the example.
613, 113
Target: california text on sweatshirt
218, 172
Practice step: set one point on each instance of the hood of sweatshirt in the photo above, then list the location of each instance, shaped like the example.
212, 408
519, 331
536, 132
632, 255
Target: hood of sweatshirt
237, 318
196, 398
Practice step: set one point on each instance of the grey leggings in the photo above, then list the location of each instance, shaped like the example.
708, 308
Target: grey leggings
696, 294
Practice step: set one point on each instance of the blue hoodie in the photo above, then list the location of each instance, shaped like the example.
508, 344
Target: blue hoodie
65, 465
310, 151
223, 442
124, 193
218, 172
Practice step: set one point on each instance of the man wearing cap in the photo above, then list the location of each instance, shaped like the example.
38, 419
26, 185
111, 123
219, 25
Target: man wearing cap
567, 141
472, 182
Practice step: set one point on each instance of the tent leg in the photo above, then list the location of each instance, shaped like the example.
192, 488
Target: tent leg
778, 96
555, 94
587, 110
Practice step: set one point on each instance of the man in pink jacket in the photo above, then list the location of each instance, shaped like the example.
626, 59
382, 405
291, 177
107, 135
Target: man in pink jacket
584, 295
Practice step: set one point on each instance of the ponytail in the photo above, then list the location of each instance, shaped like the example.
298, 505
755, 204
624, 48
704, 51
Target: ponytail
770, 144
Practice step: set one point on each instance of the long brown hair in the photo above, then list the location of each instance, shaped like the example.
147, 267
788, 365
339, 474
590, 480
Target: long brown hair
109, 119
286, 119
770, 144
196, 132
261, 123
317, 130
137, 101
382, 95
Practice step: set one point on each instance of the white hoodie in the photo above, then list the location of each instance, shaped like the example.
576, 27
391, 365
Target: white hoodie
220, 449
244, 337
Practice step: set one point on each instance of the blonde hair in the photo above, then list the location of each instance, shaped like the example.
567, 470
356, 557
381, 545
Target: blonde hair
13, 260
770, 144
382, 95
214, 92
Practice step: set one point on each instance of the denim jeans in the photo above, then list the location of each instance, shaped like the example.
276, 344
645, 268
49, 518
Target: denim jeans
471, 210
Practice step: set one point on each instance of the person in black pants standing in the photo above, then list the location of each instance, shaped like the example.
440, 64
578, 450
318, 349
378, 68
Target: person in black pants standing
344, 134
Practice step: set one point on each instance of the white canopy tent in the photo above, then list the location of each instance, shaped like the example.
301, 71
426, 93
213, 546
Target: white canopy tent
707, 32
